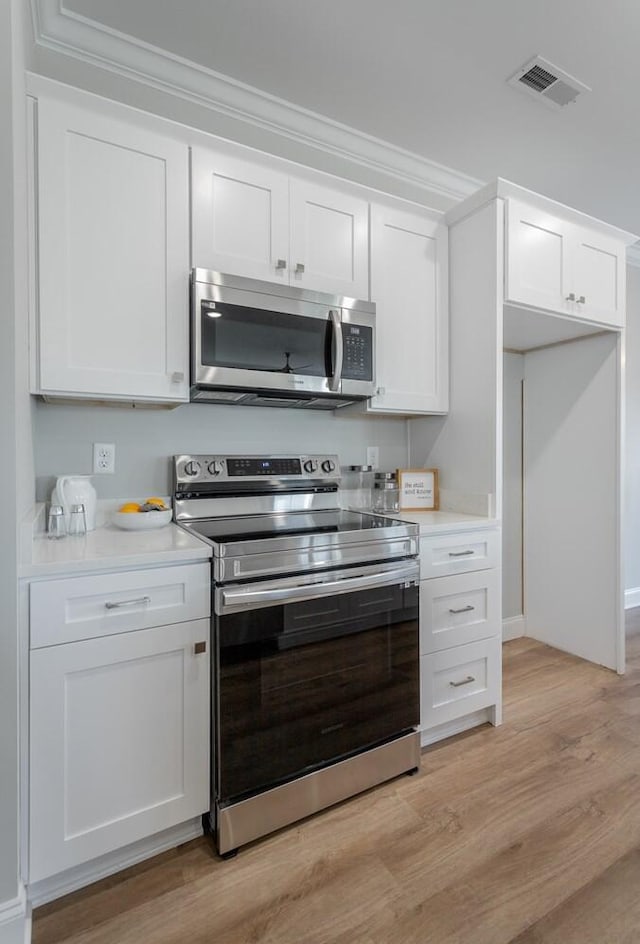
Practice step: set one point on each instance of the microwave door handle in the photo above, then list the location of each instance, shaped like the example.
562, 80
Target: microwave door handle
335, 380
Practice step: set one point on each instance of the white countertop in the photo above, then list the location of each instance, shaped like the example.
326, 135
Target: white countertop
109, 548
435, 522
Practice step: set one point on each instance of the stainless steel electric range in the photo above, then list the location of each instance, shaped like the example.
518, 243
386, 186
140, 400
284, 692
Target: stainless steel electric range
315, 690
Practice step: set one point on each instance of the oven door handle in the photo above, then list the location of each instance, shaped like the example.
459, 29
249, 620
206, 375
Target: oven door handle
337, 351
247, 598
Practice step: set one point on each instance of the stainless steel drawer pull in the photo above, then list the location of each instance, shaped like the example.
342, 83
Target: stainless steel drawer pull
281, 264
466, 681
461, 553
571, 297
463, 609
582, 300
140, 601
199, 647
299, 268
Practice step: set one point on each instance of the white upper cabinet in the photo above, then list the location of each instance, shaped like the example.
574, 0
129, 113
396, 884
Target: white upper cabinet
599, 271
240, 217
563, 267
409, 281
113, 253
251, 221
329, 240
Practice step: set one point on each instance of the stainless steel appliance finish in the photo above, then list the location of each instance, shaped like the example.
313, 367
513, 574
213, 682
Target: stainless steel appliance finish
315, 663
256, 816
261, 344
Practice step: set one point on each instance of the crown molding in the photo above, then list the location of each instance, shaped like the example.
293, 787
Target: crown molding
71, 34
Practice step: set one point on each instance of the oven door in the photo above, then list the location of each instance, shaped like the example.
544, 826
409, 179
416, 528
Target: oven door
254, 341
311, 675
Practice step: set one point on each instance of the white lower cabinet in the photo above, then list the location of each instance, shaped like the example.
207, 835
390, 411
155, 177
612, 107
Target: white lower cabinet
119, 741
460, 630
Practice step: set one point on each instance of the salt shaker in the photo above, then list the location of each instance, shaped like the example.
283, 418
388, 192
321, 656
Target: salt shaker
78, 520
57, 527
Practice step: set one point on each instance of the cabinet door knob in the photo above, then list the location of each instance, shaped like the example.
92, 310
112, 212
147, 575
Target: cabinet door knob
281, 264
199, 648
299, 268
571, 297
177, 377
582, 300
380, 391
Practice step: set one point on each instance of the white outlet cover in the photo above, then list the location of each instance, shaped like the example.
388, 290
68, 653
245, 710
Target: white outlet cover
104, 458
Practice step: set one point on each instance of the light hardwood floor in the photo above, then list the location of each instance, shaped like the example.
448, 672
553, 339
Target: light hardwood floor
527, 833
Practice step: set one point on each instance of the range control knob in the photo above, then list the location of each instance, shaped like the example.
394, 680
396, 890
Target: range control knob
192, 468
328, 465
216, 467
310, 465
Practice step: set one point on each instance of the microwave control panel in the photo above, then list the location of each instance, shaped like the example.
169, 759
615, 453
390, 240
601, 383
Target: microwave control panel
357, 358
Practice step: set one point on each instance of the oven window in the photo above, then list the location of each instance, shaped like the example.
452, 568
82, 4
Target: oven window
305, 684
252, 339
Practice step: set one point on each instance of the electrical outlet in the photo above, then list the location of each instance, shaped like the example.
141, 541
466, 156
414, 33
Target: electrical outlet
373, 456
104, 458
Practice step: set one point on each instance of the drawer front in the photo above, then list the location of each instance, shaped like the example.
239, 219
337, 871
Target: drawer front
104, 604
456, 682
459, 609
458, 553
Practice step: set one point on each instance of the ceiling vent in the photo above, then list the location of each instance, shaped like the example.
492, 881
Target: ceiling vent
547, 83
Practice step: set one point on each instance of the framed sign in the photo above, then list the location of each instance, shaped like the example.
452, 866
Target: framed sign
418, 489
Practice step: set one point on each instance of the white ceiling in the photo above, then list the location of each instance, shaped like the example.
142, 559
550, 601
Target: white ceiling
429, 76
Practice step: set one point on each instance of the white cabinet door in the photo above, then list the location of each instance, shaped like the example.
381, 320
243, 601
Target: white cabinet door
329, 240
119, 742
599, 272
113, 211
240, 217
538, 258
409, 275
563, 267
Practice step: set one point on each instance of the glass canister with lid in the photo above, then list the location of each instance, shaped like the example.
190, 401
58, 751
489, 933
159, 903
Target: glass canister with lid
357, 486
385, 492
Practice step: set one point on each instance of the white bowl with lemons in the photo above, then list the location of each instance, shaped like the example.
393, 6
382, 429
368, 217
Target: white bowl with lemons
143, 516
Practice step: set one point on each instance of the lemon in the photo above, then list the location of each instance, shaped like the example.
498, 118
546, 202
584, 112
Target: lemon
155, 501
129, 507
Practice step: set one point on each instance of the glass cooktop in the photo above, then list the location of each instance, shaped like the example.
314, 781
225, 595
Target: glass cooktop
263, 527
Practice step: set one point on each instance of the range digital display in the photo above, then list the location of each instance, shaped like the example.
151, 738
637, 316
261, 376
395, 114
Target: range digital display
276, 467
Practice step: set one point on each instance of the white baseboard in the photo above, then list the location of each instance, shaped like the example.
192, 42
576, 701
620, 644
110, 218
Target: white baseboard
69, 881
631, 598
513, 628
15, 920
449, 728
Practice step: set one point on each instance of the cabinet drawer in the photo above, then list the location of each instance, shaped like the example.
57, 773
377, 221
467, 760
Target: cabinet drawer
459, 609
458, 553
103, 604
458, 681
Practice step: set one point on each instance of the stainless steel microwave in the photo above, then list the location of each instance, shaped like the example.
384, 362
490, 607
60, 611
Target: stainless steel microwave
261, 344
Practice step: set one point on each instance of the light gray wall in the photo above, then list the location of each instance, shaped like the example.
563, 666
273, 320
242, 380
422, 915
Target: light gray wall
145, 439
632, 438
